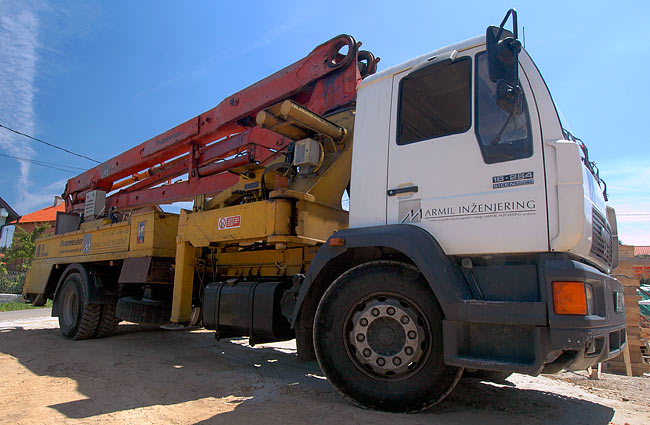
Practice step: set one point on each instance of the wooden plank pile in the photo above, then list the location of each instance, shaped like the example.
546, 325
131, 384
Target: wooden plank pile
631, 362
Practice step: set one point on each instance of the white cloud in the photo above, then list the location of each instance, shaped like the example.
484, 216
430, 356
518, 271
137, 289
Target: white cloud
44, 195
18, 56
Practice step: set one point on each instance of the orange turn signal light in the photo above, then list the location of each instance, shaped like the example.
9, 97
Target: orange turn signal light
336, 242
569, 298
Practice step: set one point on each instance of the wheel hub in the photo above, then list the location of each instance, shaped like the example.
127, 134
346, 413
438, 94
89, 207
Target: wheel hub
387, 337
70, 308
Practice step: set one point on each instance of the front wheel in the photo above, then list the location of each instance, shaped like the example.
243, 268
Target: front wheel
378, 339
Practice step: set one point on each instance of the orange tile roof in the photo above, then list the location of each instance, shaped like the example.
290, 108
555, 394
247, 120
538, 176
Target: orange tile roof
641, 250
40, 216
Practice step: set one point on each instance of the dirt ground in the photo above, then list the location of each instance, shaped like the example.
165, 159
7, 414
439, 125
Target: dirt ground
146, 375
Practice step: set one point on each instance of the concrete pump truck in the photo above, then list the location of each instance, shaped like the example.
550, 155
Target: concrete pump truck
477, 235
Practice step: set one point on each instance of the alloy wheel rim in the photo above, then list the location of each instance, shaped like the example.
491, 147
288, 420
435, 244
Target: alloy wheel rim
387, 337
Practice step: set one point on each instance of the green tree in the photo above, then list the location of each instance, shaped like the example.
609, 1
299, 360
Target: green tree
24, 246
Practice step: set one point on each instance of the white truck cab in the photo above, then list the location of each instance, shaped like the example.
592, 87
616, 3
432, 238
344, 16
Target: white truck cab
457, 166
461, 168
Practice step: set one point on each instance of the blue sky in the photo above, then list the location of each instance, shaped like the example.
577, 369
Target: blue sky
101, 77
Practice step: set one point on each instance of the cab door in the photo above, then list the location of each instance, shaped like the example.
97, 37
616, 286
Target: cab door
462, 164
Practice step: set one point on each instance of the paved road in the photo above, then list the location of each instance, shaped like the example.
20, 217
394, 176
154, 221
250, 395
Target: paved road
33, 313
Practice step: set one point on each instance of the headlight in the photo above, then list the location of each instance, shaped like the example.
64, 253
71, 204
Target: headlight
570, 298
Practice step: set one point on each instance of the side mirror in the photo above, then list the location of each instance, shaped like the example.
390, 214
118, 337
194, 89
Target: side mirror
503, 49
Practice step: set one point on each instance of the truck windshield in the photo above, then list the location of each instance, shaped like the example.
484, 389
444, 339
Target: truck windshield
502, 137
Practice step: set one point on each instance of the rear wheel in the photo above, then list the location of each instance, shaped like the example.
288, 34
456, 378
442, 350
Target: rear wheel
77, 320
378, 339
108, 321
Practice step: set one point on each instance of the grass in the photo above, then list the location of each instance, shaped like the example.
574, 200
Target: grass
17, 305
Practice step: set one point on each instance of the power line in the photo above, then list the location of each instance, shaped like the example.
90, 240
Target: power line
49, 144
44, 164
631, 214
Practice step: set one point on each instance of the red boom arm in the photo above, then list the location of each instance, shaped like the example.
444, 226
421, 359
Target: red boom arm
322, 81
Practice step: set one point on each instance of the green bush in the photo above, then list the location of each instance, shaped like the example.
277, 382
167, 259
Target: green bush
11, 283
23, 247
21, 251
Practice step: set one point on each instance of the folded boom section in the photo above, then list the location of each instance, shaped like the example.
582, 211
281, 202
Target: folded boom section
206, 150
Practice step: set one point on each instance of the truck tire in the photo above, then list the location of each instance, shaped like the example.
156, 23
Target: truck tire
108, 321
487, 375
137, 310
378, 339
77, 319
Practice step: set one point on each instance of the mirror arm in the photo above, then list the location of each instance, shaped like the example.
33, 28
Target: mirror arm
512, 12
502, 52
515, 45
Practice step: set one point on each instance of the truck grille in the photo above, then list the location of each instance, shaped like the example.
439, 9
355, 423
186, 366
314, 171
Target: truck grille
601, 244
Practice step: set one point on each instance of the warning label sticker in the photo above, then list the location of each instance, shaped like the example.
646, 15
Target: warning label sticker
229, 222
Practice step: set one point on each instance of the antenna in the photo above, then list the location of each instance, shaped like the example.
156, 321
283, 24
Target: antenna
523, 30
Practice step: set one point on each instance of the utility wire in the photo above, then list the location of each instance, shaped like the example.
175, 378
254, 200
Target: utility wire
49, 144
44, 164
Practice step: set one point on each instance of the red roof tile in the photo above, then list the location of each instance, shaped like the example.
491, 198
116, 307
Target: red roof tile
641, 250
40, 216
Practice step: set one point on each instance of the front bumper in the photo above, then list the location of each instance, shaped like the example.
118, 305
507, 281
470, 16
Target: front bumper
528, 337
590, 339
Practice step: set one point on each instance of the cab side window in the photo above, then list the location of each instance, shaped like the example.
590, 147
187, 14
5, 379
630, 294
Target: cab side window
503, 132
434, 101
